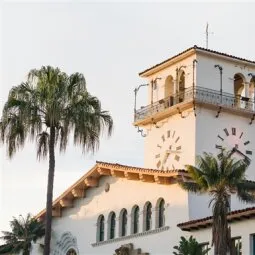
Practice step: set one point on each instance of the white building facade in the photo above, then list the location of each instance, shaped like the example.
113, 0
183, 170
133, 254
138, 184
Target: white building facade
198, 101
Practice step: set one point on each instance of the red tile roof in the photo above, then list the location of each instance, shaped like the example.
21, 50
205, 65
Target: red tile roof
195, 47
123, 171
232, 216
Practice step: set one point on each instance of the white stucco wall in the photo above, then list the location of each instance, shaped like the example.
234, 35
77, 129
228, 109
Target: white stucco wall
184, 128
158, 93
209, 77
82, 218
208, 127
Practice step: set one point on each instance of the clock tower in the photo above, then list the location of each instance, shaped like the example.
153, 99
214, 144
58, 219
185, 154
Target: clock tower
198, 101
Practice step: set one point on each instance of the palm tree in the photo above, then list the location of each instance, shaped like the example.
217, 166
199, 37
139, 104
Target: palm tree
46, 108
24, 231
220, 177
189, 247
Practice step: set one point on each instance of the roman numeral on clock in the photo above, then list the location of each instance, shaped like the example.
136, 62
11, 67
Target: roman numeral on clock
220, 138
248, 152
159, 164
218, 146
226, 131
177, 139
233, 131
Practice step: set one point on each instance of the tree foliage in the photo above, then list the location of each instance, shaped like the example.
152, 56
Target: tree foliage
23, 232
48, 108
220, 177
189, 247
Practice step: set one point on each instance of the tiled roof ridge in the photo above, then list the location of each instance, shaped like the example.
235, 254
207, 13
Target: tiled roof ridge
247, 209
198, 48
127, 167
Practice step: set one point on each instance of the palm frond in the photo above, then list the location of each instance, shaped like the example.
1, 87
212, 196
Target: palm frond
42, 145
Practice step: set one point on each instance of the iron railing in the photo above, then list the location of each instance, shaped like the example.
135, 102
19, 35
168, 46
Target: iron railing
198, 95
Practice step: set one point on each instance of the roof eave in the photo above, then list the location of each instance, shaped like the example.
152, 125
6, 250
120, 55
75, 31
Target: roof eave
168, 62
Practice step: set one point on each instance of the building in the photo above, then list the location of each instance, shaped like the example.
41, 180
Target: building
198, 101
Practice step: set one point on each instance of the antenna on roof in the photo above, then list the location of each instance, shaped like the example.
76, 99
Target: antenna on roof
207, 34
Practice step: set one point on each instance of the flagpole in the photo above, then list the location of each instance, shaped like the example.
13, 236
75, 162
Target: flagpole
207, 35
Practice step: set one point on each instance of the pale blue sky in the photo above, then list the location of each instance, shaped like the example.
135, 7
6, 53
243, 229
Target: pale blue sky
110, 43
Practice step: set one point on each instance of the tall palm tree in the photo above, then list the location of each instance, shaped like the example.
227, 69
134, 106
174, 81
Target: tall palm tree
46, 108
24, 231
220, 177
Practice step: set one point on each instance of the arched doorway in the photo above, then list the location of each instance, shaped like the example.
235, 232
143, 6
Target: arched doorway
71, 252
239, 90
181, 88
169, 90
252, 92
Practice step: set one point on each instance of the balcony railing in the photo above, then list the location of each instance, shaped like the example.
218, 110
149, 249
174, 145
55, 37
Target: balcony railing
198, 95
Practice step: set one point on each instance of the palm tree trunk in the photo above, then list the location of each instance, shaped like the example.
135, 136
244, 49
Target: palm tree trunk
49, 192
220, 231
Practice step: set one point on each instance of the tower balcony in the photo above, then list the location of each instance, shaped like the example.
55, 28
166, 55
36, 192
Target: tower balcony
192, 97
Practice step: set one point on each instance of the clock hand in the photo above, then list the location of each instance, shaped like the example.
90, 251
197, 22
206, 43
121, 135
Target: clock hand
246, 159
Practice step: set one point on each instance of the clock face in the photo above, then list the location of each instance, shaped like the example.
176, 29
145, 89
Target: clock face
168, 151
231, 138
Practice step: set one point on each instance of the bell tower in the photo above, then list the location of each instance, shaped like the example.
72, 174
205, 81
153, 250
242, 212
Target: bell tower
197, 101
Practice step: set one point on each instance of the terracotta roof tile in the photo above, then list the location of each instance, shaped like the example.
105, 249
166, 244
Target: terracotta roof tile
195, 47
207, 221
126, 167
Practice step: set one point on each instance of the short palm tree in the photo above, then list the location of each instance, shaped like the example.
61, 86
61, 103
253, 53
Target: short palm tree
189, 247
24, 231
46, 108
220, 177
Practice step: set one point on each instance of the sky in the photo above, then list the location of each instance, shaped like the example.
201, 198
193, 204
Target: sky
110, 43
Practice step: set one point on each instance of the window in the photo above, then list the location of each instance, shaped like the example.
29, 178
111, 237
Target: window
123, 222
160, 213
111, 225
236, 246
100, 228
147, 216
71, 252
135, 219
252, 239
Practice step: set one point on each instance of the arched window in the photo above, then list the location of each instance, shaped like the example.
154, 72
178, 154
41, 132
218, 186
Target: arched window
123, 222
100, 228
111, 225
147, 216
71, 252
160, 213
135, 220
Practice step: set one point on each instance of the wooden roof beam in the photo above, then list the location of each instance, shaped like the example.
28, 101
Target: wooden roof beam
91, 181
103, 171
116, 173
78, 192
56, 211
132, 176
66, 202
146, 177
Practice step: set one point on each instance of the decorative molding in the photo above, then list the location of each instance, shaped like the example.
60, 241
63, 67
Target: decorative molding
65, 243
145, 233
